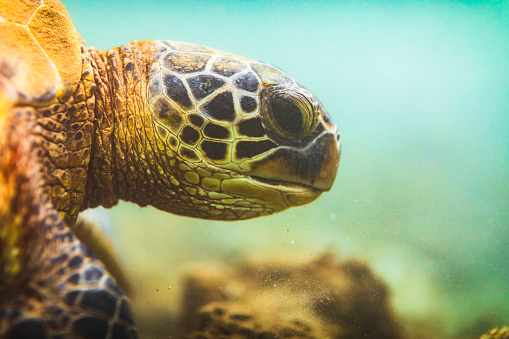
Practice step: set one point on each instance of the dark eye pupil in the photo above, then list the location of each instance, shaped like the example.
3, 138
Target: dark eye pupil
287, 116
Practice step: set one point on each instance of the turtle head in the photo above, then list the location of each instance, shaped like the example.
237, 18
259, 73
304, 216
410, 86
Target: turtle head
249, 138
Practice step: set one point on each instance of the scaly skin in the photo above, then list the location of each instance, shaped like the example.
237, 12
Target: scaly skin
121, 127
49, 281
62, 135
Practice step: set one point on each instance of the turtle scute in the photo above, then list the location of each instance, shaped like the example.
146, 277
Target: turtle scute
40, 51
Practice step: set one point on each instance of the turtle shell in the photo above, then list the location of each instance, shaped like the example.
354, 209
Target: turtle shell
40, 52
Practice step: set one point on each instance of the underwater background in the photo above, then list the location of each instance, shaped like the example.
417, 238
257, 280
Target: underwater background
420, 92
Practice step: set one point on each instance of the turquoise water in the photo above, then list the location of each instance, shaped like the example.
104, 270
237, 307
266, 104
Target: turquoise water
420, 91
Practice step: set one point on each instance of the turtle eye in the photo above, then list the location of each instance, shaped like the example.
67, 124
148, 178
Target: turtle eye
287, 116
289, 113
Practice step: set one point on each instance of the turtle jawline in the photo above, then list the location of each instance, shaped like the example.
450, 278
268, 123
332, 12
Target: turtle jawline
281, 183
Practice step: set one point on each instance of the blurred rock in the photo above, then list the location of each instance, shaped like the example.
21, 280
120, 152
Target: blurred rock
321, 298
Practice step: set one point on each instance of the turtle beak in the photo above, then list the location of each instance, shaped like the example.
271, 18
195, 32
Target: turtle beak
314, 167
330, 145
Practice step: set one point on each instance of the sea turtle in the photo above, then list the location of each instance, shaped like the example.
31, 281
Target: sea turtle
185, 128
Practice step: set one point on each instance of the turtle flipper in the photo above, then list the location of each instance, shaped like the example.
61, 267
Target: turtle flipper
92, 234
50, 283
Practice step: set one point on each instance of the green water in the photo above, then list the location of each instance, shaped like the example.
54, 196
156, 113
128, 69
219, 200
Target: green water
420, 91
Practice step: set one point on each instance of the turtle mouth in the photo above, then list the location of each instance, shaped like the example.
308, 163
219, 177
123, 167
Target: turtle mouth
283, 185
311, 168
290, 193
